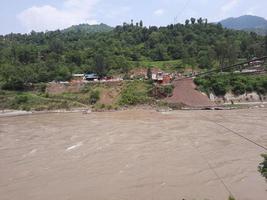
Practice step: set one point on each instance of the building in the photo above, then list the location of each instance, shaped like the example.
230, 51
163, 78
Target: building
77, 77
162, 78
91, 77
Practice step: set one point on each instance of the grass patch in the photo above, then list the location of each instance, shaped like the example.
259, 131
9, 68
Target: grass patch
135, 92
39, 100
35, 101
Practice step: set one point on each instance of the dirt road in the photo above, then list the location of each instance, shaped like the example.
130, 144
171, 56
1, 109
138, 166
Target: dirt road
140, 155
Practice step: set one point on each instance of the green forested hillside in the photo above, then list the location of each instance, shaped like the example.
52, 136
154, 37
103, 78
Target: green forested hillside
98, 28
42, 57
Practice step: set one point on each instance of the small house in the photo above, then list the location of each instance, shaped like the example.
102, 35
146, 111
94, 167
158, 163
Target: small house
161, 77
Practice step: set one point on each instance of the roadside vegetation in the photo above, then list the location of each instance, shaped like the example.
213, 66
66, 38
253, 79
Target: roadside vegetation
263, 166
237, 84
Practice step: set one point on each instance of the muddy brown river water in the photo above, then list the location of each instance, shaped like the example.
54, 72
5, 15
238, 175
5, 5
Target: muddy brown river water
133, 155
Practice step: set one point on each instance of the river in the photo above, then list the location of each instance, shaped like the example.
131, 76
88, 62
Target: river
133, 155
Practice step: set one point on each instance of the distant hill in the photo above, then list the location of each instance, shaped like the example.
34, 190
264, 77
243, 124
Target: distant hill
246, 23
89, 28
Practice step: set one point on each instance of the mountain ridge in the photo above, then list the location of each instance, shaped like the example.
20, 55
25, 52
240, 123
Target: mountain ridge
248, 23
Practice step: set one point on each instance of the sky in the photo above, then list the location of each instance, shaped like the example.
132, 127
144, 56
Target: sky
23, 16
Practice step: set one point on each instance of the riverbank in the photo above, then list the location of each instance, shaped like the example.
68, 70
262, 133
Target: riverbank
119, 96
157, 108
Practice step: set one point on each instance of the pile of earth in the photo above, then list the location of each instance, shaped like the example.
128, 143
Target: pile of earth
185, 92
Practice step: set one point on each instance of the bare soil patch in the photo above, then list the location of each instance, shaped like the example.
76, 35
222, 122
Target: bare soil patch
185, 92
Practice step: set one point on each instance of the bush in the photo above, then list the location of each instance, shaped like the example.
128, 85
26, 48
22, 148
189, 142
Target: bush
86, 89
94, 96
134, 93
163, 91
20, 99
231, 198
41, 87
261, 86
219, 88
26, 108
239, 84
168, 90
99, 106
263, 166
239, 88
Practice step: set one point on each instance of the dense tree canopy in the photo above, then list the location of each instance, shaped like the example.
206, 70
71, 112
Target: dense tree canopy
41, 57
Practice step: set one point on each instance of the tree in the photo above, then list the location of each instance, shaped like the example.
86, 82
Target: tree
120, 63
100, 65
200, 21
193, 20
204, 60
159, 53
141, 23
233, 52
149, 73
219, 88
56, 46
206, 21
221, 51
74, 58
62, 73
154, 39
26, 54
16, 77
176, 51
187, 22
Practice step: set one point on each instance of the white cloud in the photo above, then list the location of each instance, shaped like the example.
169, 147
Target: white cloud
230, 5
47, 17
159, 12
